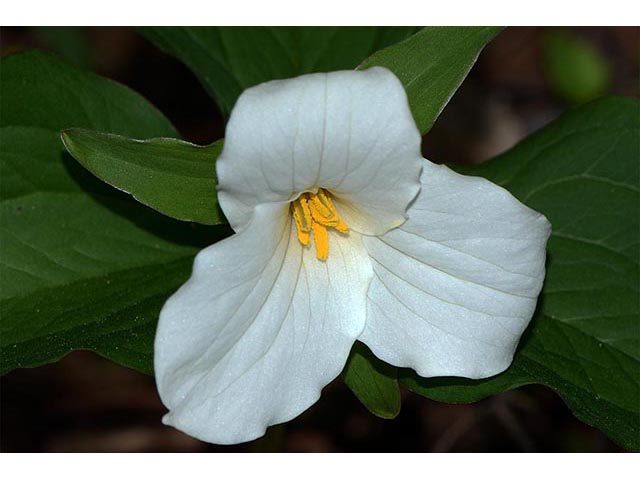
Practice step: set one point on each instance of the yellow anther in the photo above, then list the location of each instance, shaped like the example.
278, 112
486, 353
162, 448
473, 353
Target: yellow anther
320, 208
326, 201
315, 213
302, 217
322, 215
321, 236
342, 227
304, 237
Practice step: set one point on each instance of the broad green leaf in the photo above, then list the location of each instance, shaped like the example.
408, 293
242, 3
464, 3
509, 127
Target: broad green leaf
32, 161
229, 59
372, 381
174, 177
575, 70
582, 172
82, 266
42, 90
432, 64
75, 275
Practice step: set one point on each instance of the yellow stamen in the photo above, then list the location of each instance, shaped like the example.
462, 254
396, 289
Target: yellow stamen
320, 214
321, 236
315, 213
304, 237
302, 217
319, 207
342, 227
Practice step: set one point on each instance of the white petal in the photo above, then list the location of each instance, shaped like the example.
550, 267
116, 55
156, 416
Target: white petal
350, 132
455, 287
259, 329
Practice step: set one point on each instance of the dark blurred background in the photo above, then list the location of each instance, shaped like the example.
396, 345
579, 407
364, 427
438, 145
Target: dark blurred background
523, 79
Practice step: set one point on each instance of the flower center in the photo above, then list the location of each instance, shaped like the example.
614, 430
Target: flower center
314, 213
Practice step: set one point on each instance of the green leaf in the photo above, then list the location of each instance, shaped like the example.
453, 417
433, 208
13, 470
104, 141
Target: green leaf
229, 59
372, 381
174, 177
576, 71
41, 90
582, 172
432, 64
82, 266
32, 161
76, 276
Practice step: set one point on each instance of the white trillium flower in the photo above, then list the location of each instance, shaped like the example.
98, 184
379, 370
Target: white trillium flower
343, 233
